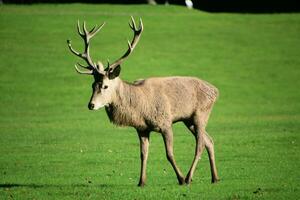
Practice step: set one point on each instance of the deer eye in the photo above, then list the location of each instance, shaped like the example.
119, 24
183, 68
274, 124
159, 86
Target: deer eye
105, 87
98, 85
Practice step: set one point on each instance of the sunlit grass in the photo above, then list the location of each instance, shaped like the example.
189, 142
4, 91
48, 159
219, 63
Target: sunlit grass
52, 147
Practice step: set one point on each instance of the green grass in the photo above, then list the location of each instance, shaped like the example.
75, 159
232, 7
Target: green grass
52, 147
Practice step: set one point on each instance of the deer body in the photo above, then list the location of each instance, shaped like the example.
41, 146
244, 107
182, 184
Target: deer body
153, 104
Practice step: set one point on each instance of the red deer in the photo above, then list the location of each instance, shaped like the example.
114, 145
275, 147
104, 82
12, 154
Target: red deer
153, 104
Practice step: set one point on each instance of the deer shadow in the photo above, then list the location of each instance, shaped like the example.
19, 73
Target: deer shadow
35, 186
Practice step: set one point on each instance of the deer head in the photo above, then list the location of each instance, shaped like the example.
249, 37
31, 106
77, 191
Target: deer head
105, 79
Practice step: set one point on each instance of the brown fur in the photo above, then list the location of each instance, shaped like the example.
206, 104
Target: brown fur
155, 104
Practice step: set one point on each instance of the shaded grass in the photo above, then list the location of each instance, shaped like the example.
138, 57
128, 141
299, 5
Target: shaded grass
52, 147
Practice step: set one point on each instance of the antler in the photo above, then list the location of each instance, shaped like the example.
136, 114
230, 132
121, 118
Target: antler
131, 45
86, 36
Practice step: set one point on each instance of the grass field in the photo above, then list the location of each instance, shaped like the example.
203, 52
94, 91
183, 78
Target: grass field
53, 147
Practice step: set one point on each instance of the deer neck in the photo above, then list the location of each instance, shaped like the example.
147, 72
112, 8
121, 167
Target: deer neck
123, 110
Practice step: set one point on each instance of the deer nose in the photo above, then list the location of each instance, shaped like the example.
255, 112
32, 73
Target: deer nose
91, 106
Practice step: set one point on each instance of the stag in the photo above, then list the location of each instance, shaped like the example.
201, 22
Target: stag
152, 104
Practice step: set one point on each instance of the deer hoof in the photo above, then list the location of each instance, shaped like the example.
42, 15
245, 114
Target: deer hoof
181, 181
141, 184
188, 180
215, 180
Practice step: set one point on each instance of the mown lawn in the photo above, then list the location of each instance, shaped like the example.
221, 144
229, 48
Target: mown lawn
53, 147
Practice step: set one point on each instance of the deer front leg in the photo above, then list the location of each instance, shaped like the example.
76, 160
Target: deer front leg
144, 146
168, 140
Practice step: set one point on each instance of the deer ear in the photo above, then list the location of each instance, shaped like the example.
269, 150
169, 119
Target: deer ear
114, 73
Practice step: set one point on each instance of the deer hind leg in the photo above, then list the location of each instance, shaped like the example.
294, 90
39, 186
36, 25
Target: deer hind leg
209, 145
144, 146
208, 142
198, 133
168, 140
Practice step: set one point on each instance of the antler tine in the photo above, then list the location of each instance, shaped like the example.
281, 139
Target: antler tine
132, 44
100, 67
89, 72
84, 28
141, 25
132, 24
95, 30
129, 44
85, 67
78, 29
72, 50
84, 55
134, 27
86, 36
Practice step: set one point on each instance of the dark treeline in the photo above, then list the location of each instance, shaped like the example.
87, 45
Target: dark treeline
87, 1
256, 6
